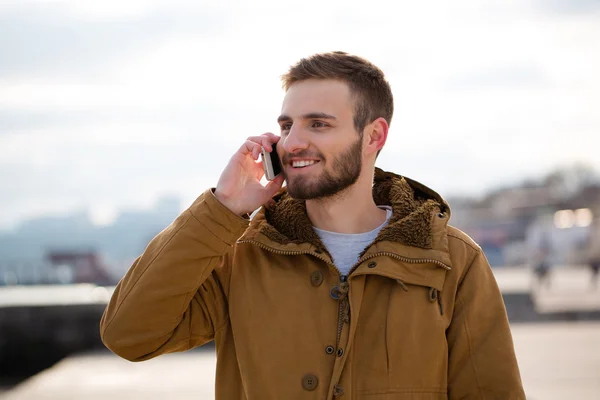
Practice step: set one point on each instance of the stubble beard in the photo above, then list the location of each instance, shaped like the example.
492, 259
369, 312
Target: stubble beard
344, 172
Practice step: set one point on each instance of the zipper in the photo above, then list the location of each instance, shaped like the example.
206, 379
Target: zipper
360, 261
291, 253
340, 324
341, 306
397, 257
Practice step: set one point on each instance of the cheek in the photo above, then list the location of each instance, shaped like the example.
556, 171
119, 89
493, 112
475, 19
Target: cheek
280, 147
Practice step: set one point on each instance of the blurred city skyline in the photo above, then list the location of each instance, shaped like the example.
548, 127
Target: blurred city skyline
168, 205
110, 105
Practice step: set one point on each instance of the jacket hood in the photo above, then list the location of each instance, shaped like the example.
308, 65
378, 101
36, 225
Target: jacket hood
416, 214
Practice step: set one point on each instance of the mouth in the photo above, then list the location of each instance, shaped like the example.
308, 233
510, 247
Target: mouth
302, 164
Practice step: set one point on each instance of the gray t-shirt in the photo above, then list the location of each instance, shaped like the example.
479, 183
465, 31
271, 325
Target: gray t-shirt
345, 247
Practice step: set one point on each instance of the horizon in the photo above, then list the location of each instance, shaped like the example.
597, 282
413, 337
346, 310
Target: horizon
105, 217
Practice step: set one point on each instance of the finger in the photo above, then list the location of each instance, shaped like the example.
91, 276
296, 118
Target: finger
273, 186
265, 140
250, 147
271, 137
261, 141
274, 138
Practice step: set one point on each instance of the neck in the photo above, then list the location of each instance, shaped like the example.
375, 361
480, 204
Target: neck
350, 211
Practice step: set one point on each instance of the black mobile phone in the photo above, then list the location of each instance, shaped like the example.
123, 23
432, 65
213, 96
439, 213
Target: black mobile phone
271, 162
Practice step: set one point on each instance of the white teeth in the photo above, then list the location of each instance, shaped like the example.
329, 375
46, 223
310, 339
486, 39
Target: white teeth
303, 163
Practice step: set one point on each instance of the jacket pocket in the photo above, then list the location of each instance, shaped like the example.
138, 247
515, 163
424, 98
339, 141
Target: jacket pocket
415, 331
401, 349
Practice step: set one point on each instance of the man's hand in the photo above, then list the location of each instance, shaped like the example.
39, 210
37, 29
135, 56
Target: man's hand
239, 187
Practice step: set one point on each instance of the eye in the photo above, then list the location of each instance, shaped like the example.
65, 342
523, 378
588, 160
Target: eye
285, 127
319, 124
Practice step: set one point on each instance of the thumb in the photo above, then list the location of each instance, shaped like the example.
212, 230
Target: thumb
273, 187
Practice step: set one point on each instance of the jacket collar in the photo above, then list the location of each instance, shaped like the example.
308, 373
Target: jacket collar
416, 229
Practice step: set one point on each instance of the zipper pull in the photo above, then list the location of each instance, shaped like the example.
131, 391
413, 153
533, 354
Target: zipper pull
343, 278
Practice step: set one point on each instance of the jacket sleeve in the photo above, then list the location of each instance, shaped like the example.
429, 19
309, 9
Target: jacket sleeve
173, 297
482, 362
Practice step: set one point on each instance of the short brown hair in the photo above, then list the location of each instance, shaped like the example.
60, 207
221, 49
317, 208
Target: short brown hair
372, 92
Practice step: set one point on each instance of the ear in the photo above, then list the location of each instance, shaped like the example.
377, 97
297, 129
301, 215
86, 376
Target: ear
376, 135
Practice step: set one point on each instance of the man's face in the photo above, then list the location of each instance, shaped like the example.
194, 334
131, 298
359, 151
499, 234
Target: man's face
320, 150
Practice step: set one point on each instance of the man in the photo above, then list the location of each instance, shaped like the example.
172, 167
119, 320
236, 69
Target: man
347, 283
541, 259
592, 252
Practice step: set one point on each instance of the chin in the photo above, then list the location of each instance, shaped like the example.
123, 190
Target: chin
299, 189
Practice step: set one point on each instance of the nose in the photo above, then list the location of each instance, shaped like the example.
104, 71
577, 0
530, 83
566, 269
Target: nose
295, 141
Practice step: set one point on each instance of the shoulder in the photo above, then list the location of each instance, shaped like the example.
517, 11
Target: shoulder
463, 251
458, 237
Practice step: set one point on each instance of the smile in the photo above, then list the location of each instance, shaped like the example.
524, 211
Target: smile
303, 163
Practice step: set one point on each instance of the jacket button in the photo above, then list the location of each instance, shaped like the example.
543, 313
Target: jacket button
316, 278
338, 391
372, 264
329, 349
335, 293
340, 352
310, 382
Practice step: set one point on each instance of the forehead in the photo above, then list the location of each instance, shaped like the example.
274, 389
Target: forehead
317, 95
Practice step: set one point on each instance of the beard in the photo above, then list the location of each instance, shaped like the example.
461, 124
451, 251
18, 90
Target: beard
343, 173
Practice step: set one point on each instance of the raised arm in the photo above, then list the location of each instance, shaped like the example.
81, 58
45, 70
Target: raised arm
174, 296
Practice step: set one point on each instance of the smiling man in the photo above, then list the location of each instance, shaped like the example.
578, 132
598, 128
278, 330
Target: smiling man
349, 282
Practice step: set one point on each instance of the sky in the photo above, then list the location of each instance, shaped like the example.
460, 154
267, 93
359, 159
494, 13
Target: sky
106, 104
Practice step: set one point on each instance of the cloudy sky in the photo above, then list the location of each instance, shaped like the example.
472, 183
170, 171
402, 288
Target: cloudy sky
110, 104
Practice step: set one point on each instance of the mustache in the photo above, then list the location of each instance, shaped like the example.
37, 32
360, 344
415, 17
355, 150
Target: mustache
286, 159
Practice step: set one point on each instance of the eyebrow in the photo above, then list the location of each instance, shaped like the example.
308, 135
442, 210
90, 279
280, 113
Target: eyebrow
314, 115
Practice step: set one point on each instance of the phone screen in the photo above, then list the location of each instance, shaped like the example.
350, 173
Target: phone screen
275, 160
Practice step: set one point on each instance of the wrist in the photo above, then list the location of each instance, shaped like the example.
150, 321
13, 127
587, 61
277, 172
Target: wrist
228, 203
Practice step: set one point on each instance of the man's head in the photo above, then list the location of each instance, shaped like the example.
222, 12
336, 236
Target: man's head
335, 116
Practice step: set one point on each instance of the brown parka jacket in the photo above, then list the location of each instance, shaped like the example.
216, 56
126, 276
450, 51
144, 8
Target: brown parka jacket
420, 315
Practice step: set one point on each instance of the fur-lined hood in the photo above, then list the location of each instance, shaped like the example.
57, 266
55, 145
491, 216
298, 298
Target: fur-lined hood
419, 217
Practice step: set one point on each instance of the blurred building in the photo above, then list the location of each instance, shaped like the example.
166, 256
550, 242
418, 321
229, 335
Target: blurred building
512, 222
